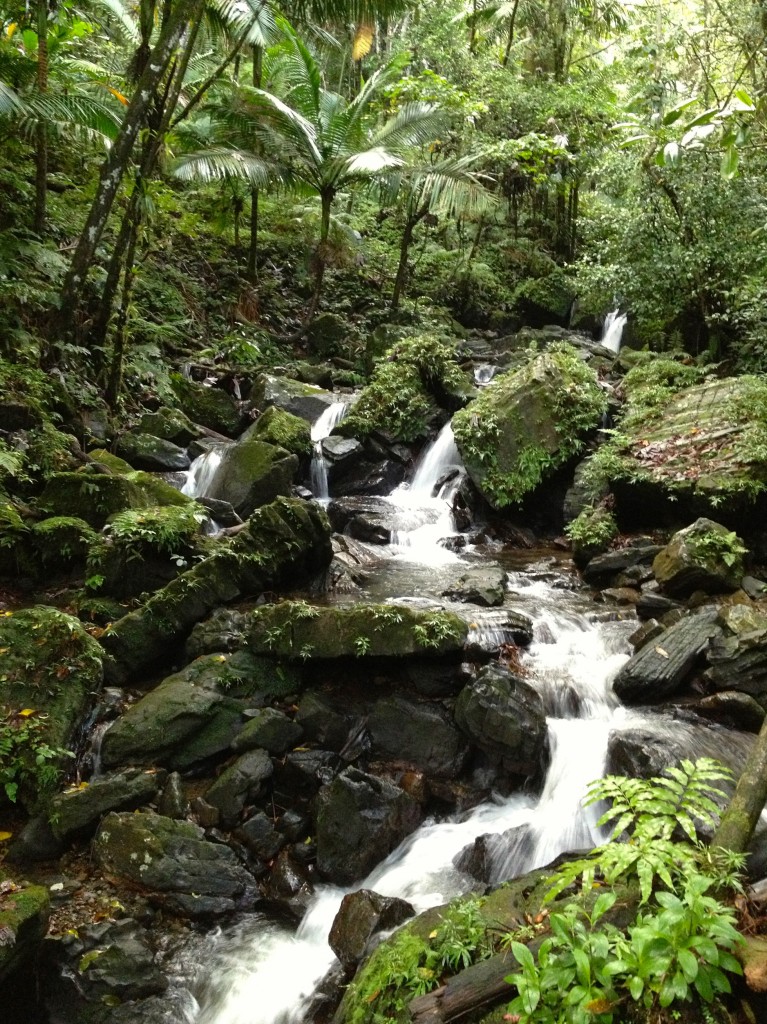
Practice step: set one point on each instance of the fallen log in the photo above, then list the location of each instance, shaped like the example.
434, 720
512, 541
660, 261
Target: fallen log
476, 986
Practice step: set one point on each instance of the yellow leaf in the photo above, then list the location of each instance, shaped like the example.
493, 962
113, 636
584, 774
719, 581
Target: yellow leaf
363, 40
4, 650
118, 95
11, 29
5, 836
663, 654
26, 712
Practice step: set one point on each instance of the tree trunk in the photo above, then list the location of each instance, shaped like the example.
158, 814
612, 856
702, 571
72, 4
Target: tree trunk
740, 817
114, 167
252, 272
326, 198
41, 155
510, 39
404, 248
114, 387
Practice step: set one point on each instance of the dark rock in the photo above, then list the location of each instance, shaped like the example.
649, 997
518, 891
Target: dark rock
166, 856
173, 802
601, 570
170, 425
288, 539
205, 814
241, 783
324, 721
737, 657
621, 595
737, 710
24, 915
646, 633
118, 963
359, 820
369, 519
77, 812
361, 915
705, 556
303, 400
221, 512
269, 729
484, 585
223, 631
755, 588
504, 717
582, 494
432, 679
652, 605
661, 668
304, 771
260, 836
419, 734
35, 843
294, 825
143, 451
366, 478
289, 885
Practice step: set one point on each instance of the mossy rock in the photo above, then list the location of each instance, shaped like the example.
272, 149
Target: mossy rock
112, 462
704, 556
24, 913
528, 423
283, 429
297, 630
211, 407
95, 497
253, 473
306, 401
145, 451
51, 666
62, 542
170, 425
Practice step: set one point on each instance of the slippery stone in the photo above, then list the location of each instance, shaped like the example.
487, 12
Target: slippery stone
144, 451
24, 912
78, 811
704, 556
270, 729
361, 915
418, 733
241, 783
483, 585
253, 473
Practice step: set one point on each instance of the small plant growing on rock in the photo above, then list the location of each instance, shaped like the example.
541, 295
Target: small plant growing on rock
25, 757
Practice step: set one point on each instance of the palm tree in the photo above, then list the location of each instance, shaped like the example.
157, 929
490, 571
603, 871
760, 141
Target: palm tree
328, 143
447, 188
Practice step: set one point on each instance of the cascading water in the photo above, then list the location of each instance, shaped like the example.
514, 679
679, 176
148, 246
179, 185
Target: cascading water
322, 428
426, 504
612, 333
202, 472
261, 973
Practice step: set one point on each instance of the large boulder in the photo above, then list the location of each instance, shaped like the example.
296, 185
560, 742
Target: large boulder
190, 717
737, 657
210, 406
504, 716
51, 669
361, 915
172, 861
661, 667
303, 400
527, 423
704, 556
269, 729
78, 810
170, 425
95, 497
240, 783
295, 629
484, 585
251, 474
418, 733
282, 429
288, 539
144, 451
360, 819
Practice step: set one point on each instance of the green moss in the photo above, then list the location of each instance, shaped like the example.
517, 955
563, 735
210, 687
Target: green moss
96, 497
62, 541
527, 423
23, 922
280, 428
211, 407
591, 533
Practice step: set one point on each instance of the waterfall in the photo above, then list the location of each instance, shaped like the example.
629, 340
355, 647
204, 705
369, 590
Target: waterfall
426, 518
612, 332
202, 472
484, 373
323, 427
261, 973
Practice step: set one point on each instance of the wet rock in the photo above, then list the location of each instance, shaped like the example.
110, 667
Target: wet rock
359, 820
419, 734
260, 836
95, 497
241, 783
344, 456
173, 802
289, 885
504, 716
171, 857
361, 915
582, 493
304, 771
368, 478
77, 812
206, 816
646, 633
143, 451
621, 595
283, 429
431, 679
269, 729
493, 857
369, 519
652, 605
224, 630
220, 512
210, 406
288, 539
35, 843
324, 721
294, 825
737, 710
484, 585
662, 667
24, 911
705, 556
117, 962
296, 630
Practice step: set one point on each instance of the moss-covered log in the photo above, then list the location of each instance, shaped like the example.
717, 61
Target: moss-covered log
740, 818
288, 539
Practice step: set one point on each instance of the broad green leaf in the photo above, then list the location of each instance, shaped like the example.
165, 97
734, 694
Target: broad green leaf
730, 160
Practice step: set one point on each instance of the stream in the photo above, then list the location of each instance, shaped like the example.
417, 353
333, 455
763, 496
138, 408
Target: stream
262, 972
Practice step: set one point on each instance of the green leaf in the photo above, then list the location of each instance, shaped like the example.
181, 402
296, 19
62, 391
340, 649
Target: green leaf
636, 987
688, 963
730, 161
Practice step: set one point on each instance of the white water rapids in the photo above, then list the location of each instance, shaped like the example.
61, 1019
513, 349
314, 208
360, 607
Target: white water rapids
612, 333
322, 428
262, 973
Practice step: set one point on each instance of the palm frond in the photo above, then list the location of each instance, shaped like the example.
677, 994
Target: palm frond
347, 10
77, 111
10, 103
414, 124
371, 161
218, 164
123, 16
